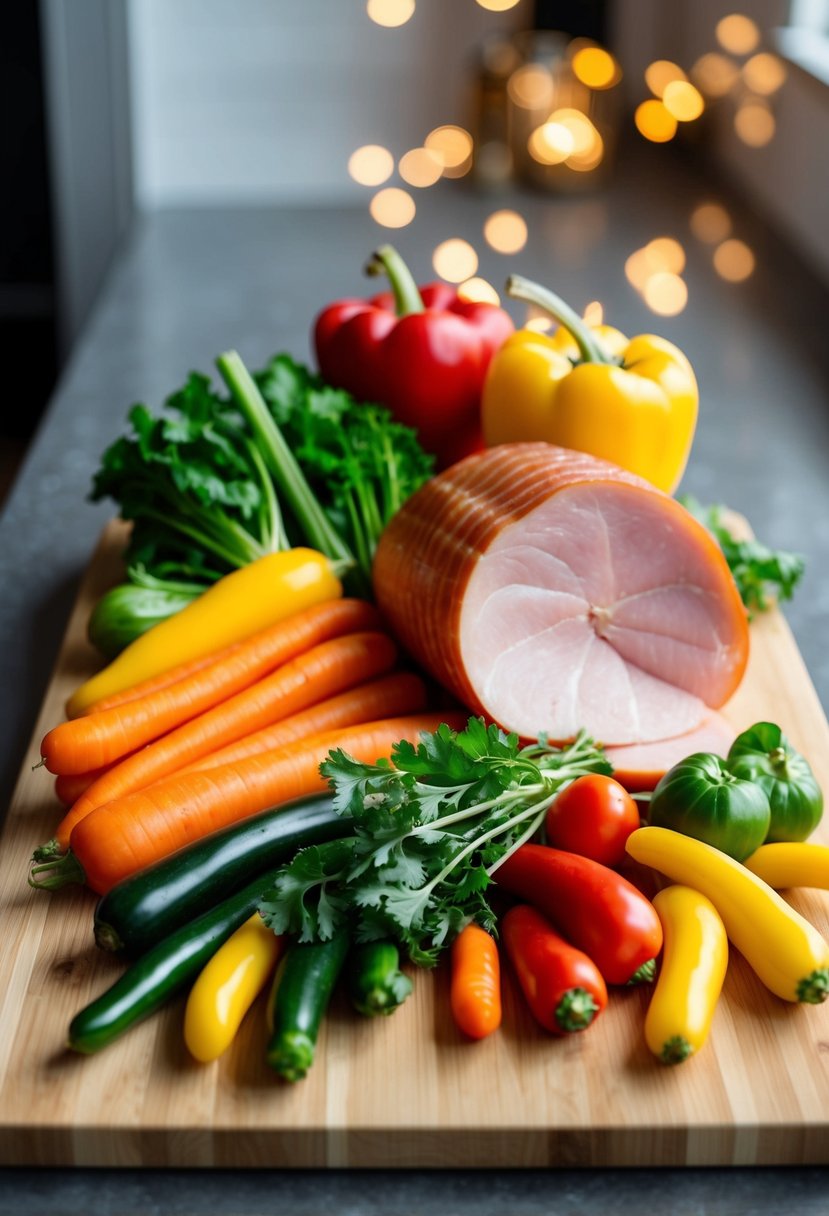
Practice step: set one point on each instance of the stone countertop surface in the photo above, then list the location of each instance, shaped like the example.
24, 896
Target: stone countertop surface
189, 284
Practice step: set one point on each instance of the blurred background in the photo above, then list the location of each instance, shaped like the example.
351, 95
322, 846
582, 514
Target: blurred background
116, 108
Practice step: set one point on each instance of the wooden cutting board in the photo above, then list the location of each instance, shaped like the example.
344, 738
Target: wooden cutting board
402, 1091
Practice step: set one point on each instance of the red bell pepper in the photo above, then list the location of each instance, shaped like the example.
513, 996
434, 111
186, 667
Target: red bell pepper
562, 986
422, 352
593, 906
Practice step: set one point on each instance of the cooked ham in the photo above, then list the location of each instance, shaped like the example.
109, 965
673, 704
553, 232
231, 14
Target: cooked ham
551, 591
640, 766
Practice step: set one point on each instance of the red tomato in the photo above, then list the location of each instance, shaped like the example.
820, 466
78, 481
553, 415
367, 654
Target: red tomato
593, 817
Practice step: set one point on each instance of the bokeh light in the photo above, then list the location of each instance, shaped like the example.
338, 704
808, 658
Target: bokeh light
420, 167
453, 145
478, 291
390, 13
710, 223
737, 34
682, 100
550, 144
594, 313
537, 321
498, 6
715, 74
754, 124
583, 162
595, 67
392, 207
734, 260
665, 253
371, 165
581, 129
660, 73
531, 87
665, 293
455, 260
506, 231
764, 73
654, 121
637, 269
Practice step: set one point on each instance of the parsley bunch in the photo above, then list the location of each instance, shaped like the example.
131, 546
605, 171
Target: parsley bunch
429, 829
762, 575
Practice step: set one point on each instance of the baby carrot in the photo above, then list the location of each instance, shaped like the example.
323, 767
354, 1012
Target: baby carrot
99, 738
322, 671
475, 992
128, 834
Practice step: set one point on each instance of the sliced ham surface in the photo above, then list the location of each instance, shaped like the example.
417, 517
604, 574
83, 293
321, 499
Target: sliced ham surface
551, 592
641, 766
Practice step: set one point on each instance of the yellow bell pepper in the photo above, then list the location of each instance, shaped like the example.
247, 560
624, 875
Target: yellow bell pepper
630, 402
694, 962
227, 987
791, 864
237, 606
786, 952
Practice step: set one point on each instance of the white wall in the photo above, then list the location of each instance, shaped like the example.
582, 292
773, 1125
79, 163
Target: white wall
264, 100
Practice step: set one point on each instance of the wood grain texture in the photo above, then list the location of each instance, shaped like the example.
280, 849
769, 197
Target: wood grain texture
402, 1091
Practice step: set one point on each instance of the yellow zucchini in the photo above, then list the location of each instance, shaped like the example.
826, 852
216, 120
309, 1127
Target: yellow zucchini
791, 864
227, 987
786, 952
691, 974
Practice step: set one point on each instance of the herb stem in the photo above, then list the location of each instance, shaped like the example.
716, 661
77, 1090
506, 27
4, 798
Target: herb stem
290, 479
536, 811
479, 807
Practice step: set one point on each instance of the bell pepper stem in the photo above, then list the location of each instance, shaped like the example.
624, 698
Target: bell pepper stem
407, 298
589, 346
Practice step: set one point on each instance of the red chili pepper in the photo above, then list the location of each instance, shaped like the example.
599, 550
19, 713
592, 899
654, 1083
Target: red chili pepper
422, 352
594, 907
562, 986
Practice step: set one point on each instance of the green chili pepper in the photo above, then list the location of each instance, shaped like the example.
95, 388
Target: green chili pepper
700, 797
763, 754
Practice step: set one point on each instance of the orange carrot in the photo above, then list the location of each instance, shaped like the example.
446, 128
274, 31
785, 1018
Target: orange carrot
475, 991
402, 692
154, 683
313, 676
70, 786
129, 834
99, 738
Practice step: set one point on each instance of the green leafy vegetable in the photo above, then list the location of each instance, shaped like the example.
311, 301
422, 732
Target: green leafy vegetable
360, 462
430, 829
762, 575
217, 480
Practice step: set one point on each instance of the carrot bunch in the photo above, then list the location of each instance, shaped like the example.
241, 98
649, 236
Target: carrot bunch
203, 745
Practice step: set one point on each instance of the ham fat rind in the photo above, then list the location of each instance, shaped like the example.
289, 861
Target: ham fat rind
553, 592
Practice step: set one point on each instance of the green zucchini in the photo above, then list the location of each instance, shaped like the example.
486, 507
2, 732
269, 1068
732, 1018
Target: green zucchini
145, 907
376, 984
163, 971
299, 997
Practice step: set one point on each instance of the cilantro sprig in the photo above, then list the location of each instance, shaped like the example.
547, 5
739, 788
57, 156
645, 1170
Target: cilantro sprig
429, 829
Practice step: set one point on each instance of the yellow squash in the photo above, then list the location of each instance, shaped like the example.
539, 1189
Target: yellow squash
240, 604
791, 864
227, 987
631, 402
787, 953
691, 974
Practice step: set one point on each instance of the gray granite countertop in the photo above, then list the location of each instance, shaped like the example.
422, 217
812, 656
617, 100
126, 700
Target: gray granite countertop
190, 284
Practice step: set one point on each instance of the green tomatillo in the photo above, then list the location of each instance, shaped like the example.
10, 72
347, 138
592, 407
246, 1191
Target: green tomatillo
700, 797
763, 754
